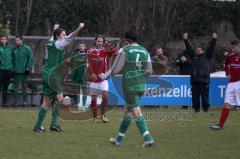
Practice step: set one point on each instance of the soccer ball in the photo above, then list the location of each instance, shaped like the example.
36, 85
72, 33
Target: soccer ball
66, 102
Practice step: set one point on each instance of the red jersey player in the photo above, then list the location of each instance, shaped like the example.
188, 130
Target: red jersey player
232, 93
98, 61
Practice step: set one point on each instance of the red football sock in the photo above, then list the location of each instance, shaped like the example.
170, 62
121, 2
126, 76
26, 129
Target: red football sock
224, 116
94, 107
104, 106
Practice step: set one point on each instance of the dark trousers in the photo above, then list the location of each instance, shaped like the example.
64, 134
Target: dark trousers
75, 98
200, 91
5, 77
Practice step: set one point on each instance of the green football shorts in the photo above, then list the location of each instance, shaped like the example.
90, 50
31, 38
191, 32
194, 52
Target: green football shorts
51, 85
132, 97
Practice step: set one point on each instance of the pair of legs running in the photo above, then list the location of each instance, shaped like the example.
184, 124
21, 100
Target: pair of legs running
129, 113
224, 115
47, 102
232, 98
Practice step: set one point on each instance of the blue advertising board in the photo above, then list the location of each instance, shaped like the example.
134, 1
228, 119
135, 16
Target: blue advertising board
172, 90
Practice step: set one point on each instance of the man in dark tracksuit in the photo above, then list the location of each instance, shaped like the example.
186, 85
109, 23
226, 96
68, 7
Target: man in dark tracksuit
22, 62
6, 66
200, 72
184, 60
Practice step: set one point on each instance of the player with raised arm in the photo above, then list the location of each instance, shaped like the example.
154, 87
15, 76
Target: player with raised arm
135, 63
232, 93
98, 62
53, 58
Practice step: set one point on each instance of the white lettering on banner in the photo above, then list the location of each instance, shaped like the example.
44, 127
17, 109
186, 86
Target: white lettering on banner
182, 92
176, 92
169, 93
222, 90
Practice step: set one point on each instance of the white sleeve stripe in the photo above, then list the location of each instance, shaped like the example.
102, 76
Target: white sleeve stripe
51, 39
146, 133
121, 134
149, 58
60, 44
119, 63
69, 36
149, 65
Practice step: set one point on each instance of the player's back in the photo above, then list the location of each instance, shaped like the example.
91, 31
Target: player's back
53, 57
134, 71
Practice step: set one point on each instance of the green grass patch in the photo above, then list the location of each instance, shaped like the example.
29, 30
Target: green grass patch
185, 135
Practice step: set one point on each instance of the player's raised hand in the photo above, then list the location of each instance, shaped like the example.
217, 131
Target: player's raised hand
185, 36
55, 26
183, 59
226, 53
214, 36
75, 32
81, 25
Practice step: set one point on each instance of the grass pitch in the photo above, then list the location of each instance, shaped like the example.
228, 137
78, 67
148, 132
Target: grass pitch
176, 137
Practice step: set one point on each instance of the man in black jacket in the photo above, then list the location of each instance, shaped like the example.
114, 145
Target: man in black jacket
184, 60
200, 72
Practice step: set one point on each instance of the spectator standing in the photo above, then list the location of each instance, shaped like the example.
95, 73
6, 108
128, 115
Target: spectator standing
200, 72
160, 61
6, 66
22, 65
183, 62
160, 57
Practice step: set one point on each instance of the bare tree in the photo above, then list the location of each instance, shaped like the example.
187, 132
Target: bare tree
115, 16
17, 16
29, 10
153, 19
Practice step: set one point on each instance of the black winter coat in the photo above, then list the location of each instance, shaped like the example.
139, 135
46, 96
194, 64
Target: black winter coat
201, 64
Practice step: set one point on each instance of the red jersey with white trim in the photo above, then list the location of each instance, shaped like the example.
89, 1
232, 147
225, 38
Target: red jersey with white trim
232, 67
98, 61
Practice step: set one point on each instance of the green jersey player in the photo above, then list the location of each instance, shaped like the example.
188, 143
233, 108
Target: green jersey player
77, 68
135, 63
51, 78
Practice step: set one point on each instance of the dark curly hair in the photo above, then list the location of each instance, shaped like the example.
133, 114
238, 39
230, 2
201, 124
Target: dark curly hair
57, 32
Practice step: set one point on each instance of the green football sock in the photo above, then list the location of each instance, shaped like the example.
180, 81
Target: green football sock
55, 111
123, 127
84, 98
142, 127
41, 115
